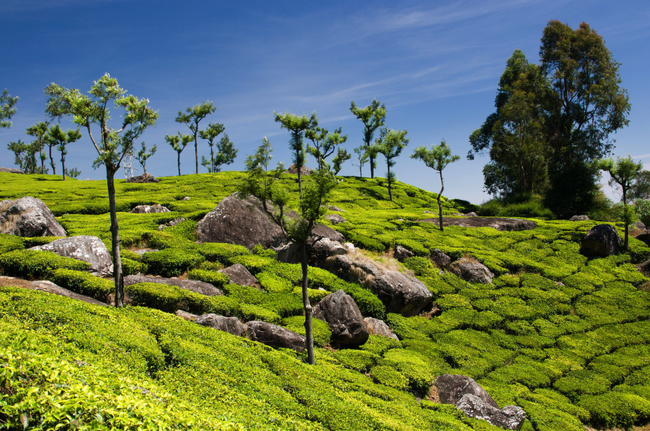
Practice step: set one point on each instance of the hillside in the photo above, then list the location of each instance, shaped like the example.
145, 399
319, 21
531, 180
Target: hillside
563, 337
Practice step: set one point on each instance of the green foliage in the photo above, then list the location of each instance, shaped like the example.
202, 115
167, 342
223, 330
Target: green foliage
388, 376
34, 264
217, 279
133, 267
171, 262
10, 243
322, 331
358, 360
215, 252
83, 283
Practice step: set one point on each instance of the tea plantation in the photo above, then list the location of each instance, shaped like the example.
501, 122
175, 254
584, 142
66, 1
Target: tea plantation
563, 337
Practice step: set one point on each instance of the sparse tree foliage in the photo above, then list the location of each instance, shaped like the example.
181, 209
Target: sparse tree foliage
362, 159
72, 173
40, 131
191, 118
19, 149
264, 185
373, 117
56, 137
391, 143
641, 188
142, 155
112, 144
226, 151
437, 158
341, 157
178, 143
7, 108
297, 126
623, 172
324, 143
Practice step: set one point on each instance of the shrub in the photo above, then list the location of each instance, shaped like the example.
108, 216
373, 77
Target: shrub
378, 344
210, 266
133, 267
217, 279
258, 250
171, 262
216, 252
413, 366
358, 360
315, 295
388, 376
128, 254
33, 264
320, 330
272, 283
10, 243
255, 264
256, 312
616, 409
83, 283
40, 240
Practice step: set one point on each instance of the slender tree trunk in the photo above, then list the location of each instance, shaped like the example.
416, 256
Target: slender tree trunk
42, 161
212, 159
196, 149
627, 229
442, 183
179, 164
115, 237
309, 336
390, 193
63, 165
372, 163
52, 162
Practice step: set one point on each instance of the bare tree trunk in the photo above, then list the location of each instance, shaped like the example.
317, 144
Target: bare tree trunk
179, 164
625, 210
309, 336
63, 166
115, 237
390, 193
52, 162
299, 181
442, 183
196, 150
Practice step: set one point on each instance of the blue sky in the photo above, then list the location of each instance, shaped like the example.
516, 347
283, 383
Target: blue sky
435, 65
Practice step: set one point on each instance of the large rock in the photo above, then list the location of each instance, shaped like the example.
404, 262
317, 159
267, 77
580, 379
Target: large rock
335, 208
192, 285
12, 170
472, 271
468, 396
85, 248
241, 222
579, 218
401, 294
638, 225
49, 287
335, 218
318, 250
240, 275
29, 217
274, 335
601, 241
144, 178
149, 209
304, 170
379, 327
440, 258
344, 318
402, 253
644, 236
231, 325
322, 231
510, 417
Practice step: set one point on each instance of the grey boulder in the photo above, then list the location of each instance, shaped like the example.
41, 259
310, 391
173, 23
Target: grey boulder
231, 325
401, 294
601, 241
29, 217
12, 170
49, 287
274, 335
243, 222
379, 327
471, 271
240, 275
335, 218
579, 218
342, 315
644, 236
195, 286
149, 209
402, 253
85, 248
440, 258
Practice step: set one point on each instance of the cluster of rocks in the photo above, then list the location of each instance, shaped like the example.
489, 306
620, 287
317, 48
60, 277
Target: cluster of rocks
149, 209
144, 178
28, 217
469, 397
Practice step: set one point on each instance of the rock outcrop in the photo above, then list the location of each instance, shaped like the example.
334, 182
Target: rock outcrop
149, 209
186, 315
471, 271
29, 217
335, 218
89, 249
379, 327
231, 325
192, 285
401, 294
500, 224
12, 170
241, 222
274, 335
240, 275
49, 287
318, 250
579, 218
644, 236
468, 396
334, 208
439, 258
342, 315
144, 178
601, 241
293, 169
402, 253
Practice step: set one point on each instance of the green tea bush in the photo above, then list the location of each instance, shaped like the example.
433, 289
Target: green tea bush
358, 360
378, 344
40, 240
255, 264
217, 252
217, 279
10, 243
128, 254
34, 264
273, 283
616, 409
171, 298
210, 266
258, 250
388, 376
413, 366
83, 283
255, 312
315, 295
171, 262
320, 330
133, 267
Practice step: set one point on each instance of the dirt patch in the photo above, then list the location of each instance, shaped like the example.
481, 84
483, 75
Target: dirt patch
17, 282
501, 224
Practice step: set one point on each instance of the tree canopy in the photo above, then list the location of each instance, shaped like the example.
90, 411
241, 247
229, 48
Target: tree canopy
7, 108
390, 144
297, 126
191, 118
373, 117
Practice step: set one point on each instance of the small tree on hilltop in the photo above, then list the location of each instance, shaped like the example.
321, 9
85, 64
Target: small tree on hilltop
142, 156
226, 151
373, 117
178, 143
57, 137
623, 172
390, 143
437, 158
296, 126
263, 184
362, 158
40, 131
324, 143
7, 109
192, 117
112, 145
341, 157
